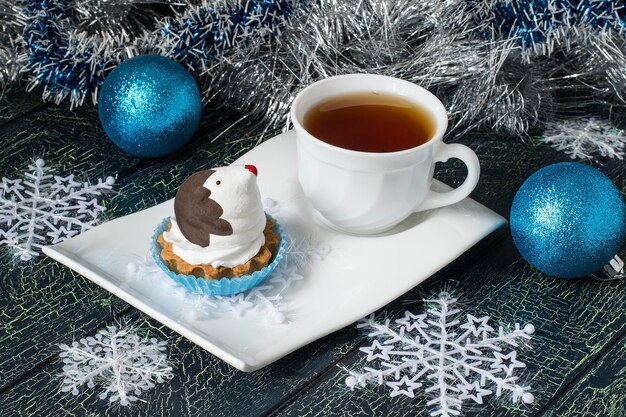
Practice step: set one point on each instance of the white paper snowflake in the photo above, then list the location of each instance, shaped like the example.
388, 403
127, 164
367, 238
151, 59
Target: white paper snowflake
119, 358
454, 359
585, 138
265, 300
42, 208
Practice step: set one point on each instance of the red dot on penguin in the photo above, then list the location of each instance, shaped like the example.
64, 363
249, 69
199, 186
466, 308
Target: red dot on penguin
252, 169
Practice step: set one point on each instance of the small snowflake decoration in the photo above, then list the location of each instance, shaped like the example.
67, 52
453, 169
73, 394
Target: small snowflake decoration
42, 208
118, 358
586, 137
453, 360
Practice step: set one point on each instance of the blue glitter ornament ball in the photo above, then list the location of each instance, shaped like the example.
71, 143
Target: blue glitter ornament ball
568, 220
149, 106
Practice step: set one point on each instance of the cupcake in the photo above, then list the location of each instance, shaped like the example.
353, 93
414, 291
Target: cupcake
219, 237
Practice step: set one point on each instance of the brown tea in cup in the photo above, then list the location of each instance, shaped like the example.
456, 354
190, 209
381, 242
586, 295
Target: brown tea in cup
370, 122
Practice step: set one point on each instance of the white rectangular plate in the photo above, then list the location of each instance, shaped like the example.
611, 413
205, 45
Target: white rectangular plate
360, 275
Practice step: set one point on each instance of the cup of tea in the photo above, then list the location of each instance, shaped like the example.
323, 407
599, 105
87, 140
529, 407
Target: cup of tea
367, 147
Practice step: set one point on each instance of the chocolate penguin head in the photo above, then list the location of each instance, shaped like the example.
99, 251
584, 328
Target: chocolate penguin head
197, 214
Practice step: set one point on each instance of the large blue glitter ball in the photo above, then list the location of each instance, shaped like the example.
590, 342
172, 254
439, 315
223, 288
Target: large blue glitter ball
149, 106
568, 220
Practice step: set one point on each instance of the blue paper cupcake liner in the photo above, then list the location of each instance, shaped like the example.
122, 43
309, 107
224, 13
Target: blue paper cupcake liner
222, 286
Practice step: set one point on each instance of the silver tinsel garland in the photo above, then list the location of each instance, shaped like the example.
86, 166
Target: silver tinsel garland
10, 29
9, 65
482, 83
117, 17
507, 65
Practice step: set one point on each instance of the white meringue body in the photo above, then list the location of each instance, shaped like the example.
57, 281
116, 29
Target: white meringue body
235, 189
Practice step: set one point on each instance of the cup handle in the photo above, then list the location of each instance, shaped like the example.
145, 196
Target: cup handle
436, 199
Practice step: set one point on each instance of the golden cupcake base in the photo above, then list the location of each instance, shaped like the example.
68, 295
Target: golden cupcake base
258, 261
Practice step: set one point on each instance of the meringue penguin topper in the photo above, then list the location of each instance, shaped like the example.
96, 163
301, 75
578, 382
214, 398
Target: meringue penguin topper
198, 207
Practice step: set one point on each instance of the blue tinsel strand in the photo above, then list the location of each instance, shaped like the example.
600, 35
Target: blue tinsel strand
55, 60
207, 32
74, 67
535, 24
601, 15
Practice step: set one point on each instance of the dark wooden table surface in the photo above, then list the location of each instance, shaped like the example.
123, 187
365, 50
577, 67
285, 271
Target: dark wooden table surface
577, 364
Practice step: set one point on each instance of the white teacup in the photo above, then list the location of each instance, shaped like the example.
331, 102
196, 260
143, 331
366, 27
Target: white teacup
366, 193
